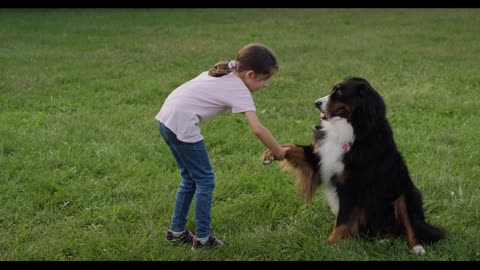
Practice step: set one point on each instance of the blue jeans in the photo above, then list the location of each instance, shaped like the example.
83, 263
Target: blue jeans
197, 180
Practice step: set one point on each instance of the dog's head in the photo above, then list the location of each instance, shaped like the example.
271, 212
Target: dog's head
355, 100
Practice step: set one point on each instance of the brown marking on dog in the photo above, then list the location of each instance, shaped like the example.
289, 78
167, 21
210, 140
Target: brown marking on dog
339, 232
351, 228
341, 179
340, 109
305, 183
401, 213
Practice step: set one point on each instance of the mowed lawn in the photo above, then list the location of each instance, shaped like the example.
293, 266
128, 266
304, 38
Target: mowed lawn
85, 175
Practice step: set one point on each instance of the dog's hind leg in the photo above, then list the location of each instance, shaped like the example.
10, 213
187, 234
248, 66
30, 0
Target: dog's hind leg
401, 212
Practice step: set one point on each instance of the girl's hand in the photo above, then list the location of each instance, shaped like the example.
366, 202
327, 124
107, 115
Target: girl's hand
268, 156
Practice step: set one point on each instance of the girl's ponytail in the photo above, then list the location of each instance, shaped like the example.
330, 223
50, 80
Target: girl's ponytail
221, 69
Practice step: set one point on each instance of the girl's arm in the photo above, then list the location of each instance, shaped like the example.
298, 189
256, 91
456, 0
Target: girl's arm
265, 136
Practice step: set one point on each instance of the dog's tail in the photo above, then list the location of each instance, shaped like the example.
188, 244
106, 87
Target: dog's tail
424, 232
303, 162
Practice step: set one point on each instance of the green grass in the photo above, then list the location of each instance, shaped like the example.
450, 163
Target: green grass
85, 175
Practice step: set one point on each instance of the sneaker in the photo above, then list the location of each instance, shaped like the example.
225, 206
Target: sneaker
186, 237
211, 242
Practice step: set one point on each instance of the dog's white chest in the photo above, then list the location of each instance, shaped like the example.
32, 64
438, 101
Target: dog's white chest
338, 134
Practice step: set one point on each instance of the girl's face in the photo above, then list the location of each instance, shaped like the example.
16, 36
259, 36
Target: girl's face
255, 82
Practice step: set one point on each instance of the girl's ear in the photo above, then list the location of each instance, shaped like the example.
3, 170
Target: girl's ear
250, 74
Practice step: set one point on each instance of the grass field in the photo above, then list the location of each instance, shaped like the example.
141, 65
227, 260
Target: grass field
85, 175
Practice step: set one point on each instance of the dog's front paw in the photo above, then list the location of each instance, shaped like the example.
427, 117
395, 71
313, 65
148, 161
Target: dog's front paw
335, 237
332, 240
268, 157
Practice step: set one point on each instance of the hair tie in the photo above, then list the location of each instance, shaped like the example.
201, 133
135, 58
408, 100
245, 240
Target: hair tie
232, 64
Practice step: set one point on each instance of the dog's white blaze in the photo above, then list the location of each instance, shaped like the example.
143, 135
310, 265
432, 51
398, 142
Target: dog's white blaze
338, 132
324, 101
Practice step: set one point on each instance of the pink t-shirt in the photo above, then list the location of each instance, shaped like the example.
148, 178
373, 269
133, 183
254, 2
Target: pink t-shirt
201, 99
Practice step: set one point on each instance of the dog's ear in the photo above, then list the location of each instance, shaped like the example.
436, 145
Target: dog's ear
379, 104
361, 91
374, 105
369, 109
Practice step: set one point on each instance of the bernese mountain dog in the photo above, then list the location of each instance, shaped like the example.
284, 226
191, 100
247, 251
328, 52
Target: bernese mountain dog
367, 183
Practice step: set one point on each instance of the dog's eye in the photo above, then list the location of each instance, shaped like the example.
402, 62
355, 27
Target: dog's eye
339, 92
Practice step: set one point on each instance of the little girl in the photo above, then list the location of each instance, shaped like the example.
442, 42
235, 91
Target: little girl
227, 85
